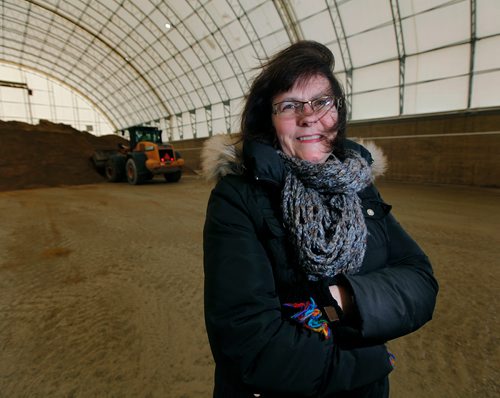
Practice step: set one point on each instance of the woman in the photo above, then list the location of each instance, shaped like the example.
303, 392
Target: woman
307, 273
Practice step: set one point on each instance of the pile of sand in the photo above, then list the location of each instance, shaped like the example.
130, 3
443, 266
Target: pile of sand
49, 154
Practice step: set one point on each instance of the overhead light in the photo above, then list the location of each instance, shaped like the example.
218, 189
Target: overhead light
168, 26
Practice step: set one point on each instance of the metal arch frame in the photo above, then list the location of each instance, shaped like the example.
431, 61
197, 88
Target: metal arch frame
233, 62
25, 25
345, 52
53, 45
289, 20
209, 67
82, 74
190, 75
128, 59
64, 84
69, 72
66, 40
232, 59
151, 107
41, 17
137, 40
25, 34
71, 77
398, 31
113, 49
211, 71
173, 92
248, 28
243, 19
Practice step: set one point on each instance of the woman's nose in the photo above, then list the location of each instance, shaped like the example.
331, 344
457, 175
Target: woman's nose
307, 116
307, 109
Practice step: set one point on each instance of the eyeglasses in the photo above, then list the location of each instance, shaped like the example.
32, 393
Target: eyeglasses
318, 106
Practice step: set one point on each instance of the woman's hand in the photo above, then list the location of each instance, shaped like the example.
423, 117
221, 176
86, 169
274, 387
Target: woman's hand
342, 297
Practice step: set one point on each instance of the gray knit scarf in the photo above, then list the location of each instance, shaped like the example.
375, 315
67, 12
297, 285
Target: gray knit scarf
322, 212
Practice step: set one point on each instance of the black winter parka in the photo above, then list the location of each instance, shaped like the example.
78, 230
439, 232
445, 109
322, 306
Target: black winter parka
251, 271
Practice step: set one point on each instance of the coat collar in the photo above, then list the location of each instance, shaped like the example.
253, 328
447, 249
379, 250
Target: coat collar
225, 154
262, 162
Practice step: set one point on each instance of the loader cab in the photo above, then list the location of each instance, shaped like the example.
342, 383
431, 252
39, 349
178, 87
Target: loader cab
143, 133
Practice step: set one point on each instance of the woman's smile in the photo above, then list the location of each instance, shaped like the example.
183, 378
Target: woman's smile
310, 138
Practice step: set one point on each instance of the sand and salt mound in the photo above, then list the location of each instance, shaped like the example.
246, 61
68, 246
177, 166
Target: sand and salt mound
49, 154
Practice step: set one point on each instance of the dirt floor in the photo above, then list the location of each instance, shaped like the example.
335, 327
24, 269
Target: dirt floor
101, 291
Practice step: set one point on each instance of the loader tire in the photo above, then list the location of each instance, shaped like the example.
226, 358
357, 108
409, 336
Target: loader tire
115, 169
133, 175
173, 177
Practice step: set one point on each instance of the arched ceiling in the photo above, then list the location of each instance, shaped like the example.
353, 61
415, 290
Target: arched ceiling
121, 55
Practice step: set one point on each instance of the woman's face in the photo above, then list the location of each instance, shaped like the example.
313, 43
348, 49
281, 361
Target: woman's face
306, 135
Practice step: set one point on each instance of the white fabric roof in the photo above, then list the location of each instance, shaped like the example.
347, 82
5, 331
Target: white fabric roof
394, 57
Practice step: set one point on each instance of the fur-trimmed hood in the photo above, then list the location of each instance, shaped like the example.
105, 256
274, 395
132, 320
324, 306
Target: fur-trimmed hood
222, 154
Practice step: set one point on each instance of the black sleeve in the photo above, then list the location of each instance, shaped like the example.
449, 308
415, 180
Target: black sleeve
244, 321
400, 298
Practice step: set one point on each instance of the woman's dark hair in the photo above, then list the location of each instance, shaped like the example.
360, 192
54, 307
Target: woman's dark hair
298, 62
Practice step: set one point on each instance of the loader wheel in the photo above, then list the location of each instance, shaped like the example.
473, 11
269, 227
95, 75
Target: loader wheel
114, 170
173, 177
133, 176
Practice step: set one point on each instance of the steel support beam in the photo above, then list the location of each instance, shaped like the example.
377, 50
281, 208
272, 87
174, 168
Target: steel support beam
345, 53
178, 118
227, 115
169, 126
192, 119
248, 28
289, 20
473, 39
209, 119
398, 32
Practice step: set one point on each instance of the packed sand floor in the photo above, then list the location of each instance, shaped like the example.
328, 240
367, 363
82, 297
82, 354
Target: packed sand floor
101, 291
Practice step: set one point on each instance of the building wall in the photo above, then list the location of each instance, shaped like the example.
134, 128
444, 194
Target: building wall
190, 151
459, 148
